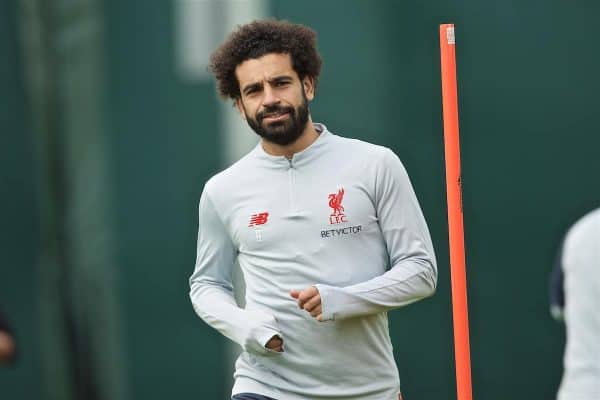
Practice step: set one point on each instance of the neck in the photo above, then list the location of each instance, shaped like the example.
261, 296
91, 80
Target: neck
308, 136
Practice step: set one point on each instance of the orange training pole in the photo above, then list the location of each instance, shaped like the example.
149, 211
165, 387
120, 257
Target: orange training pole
455, 217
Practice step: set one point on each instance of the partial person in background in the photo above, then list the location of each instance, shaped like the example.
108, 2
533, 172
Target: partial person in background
575, 297
8, 348
327, 231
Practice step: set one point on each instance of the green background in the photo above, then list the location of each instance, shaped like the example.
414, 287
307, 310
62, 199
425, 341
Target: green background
528, 87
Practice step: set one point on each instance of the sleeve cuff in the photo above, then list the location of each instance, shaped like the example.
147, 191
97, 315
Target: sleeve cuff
327, 309
264, 335
260, 335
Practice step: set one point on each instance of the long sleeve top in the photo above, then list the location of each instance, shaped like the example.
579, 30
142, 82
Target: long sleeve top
340, 215
580, 262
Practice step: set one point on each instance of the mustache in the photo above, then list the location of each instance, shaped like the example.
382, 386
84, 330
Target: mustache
276, 109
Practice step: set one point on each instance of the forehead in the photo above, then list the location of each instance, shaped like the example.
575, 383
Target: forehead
264, 68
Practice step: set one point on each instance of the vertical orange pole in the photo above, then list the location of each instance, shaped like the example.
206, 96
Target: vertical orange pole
455, 216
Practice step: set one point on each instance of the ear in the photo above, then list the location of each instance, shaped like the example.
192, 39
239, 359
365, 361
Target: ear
240, 107
309, 87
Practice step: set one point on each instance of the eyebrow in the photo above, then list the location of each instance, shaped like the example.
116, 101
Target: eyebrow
252, 86
280, 78
258, 85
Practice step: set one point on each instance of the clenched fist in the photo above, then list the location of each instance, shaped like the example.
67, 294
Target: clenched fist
309, 299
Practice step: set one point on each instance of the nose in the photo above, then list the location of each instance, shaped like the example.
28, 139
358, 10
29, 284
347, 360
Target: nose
270, 97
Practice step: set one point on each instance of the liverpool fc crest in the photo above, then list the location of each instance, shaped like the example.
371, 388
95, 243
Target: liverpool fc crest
335, 202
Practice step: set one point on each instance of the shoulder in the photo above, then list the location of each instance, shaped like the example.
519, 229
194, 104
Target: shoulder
585, 231
226, 180
377, 163
359, 145
381, 159
360, 149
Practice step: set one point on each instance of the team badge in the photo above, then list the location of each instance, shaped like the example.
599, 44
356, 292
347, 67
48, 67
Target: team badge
335, 202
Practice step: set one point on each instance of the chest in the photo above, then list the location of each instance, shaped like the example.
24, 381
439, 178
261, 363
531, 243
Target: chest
291, 207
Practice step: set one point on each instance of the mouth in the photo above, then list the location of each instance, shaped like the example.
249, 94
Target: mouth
275, 116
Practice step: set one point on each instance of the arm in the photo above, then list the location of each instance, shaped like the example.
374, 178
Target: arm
211, 291
413, 272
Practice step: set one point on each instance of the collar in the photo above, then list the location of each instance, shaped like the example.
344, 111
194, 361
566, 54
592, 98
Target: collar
300, 158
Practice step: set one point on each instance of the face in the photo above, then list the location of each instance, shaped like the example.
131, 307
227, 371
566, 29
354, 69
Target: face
273, 99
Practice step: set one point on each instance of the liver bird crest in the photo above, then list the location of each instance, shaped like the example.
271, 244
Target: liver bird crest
335, 202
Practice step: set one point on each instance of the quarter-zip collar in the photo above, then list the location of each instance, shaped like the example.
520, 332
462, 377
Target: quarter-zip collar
298, 159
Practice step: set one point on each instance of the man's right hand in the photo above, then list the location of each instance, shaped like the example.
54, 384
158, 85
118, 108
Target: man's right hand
275, 344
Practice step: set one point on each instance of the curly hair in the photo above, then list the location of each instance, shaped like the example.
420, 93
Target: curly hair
262, 37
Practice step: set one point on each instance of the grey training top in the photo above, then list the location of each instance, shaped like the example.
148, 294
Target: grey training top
340, 215
581, 265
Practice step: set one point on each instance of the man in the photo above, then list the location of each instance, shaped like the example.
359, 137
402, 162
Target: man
575, 296
327, 231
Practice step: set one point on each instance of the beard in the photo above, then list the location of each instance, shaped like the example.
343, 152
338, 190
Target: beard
283, 132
